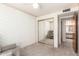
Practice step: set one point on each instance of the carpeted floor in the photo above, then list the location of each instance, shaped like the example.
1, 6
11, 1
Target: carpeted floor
48, 42
40, 49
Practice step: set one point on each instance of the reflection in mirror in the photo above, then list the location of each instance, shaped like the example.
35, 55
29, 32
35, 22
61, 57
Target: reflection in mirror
46, 29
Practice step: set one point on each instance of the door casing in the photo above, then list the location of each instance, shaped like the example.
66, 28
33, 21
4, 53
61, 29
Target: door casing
65, 16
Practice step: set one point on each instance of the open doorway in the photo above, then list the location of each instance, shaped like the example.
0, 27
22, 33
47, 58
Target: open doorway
68, 31
46, 28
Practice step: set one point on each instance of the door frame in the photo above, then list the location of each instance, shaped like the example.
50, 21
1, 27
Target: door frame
70, 14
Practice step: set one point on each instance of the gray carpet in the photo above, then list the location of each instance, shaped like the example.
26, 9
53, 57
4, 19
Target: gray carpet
40, 49
48, 42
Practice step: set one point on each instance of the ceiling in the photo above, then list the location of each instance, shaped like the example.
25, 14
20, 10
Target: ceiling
45, 8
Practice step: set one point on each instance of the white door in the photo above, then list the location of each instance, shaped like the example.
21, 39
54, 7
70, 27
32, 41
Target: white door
63, 30
41, 30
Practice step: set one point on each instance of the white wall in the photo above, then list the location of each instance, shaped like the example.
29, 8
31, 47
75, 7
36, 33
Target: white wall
16, 27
